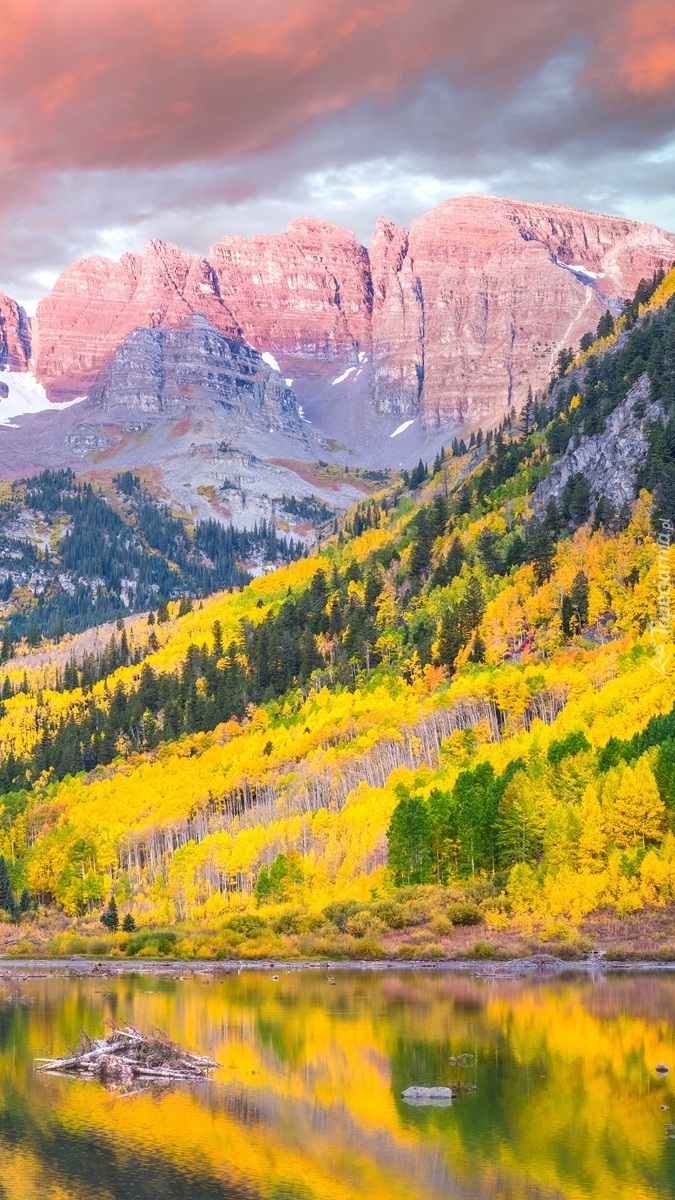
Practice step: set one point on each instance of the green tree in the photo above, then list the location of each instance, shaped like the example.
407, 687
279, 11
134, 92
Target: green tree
7, 899
575, 605
409, 842
263, 886
110, 917
606, 325
664, 773
521, 822
128, 924
576, 499
444, 841
449, 638
278, 877
475, 796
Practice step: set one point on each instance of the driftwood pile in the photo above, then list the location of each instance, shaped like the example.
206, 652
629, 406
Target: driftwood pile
127, 1055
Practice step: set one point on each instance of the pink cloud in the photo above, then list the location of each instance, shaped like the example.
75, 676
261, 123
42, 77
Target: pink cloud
117, 82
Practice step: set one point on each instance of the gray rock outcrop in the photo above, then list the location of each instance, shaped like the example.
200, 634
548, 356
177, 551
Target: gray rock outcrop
169, 371
610, 460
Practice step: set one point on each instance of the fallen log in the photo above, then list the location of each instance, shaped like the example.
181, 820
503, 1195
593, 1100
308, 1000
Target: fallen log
127, 1054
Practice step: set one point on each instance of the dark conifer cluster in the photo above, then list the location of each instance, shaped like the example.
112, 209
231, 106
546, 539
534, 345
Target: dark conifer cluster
104, 559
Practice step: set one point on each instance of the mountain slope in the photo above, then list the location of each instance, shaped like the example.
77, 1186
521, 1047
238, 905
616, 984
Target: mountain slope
72, 555
454, 692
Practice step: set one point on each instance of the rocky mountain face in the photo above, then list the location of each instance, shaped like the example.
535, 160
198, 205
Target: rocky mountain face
609, 461
303, 294
169, 371
451, 321
497, 289
96, 303
15, 339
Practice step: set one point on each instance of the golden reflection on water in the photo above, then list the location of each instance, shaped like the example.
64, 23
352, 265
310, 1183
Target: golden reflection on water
306, 1105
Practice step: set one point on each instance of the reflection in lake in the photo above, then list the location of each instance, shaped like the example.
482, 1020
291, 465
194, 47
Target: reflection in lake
307, 1104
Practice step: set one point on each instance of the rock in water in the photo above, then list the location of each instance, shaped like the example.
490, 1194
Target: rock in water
438, 1096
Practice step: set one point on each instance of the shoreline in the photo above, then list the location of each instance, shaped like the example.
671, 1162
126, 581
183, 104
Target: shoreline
533, 967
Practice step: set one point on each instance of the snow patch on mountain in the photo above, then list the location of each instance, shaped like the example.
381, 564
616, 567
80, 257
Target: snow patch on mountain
25, 395
582, 273
402, 428
345, 375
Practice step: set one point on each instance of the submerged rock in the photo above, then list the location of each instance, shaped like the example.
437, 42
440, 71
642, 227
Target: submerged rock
438, 1096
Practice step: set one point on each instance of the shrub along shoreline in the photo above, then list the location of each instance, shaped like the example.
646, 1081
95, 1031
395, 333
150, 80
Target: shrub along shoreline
417, 924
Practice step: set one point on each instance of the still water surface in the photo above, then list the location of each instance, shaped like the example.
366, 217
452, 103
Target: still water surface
306, 1105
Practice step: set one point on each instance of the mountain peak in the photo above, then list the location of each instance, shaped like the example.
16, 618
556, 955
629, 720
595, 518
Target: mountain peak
451, 321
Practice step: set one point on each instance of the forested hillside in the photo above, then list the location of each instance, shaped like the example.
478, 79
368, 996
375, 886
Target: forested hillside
459, 712
72, 555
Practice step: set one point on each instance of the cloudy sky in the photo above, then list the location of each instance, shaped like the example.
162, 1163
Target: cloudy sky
122, 120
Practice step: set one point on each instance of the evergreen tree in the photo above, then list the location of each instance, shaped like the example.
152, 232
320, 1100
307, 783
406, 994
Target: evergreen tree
421, 548
7, 649
527, 415
7, 900
606, 325
129, 924
110, 917
464, 500
539, 549
664, 773
449, 638
576, 500
477, 654
24, 900
575, 606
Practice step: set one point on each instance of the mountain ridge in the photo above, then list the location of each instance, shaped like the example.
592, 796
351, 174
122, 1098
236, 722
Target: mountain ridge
447, 313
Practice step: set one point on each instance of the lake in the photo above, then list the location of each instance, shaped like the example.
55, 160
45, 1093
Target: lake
307, 1102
